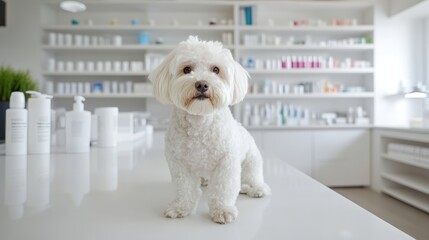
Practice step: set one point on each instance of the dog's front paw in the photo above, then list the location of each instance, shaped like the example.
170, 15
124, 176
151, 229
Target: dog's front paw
224, 215
255, 191
176, 212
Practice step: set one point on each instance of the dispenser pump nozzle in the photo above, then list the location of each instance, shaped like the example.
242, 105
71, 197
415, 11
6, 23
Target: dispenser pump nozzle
35, 94
78, 103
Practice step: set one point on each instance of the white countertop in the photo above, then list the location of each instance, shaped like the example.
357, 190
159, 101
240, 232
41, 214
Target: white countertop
420, 130
120, 193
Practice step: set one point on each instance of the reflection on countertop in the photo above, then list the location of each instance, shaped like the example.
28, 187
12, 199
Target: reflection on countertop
28, 178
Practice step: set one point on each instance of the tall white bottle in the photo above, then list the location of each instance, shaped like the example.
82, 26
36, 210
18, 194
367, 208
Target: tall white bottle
16, 125
426, 113
78, 128
39, 123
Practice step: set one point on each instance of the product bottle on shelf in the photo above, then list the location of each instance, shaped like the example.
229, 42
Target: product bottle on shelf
16, 125
39, 123
78, 128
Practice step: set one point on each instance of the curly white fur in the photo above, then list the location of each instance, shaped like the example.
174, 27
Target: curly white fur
203, 139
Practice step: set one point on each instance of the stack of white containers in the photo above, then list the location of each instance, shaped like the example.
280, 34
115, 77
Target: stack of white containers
411, 152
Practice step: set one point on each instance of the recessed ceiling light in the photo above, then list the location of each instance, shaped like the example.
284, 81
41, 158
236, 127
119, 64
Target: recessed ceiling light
73, 6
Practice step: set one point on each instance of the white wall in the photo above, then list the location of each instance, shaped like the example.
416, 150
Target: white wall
397, 6
398, 57
20, 39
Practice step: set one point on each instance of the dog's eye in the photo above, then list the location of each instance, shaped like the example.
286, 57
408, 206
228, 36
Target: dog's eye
216, 70
187, 70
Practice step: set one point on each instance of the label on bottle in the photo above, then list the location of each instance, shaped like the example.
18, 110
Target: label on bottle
18, 130
43, 129
77, 129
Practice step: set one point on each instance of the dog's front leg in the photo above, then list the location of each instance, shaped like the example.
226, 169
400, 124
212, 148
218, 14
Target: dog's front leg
188, 191
223, 189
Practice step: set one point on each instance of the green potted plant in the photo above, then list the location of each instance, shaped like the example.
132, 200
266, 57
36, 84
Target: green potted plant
10, 81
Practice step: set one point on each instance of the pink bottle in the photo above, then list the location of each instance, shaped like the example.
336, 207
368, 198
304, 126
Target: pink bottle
294, 62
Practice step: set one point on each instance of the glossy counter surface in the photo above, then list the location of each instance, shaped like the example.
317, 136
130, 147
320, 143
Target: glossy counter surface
420, 130
120, 193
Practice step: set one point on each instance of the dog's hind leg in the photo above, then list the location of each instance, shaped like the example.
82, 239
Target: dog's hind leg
252, 178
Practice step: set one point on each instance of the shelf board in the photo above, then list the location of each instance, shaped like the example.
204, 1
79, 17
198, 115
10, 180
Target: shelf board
117, 48
417, 183
309, 127
251, 71
417, 199
361, 28
152, 6
314, 4
111, 47
314, 71
310, 95
102, 95
357, 47
142, 73
405, 160
138, 27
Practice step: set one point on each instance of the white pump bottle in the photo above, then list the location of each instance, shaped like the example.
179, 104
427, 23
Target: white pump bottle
78, 128
39, 123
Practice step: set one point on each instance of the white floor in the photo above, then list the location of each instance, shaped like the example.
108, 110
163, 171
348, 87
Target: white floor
403, 216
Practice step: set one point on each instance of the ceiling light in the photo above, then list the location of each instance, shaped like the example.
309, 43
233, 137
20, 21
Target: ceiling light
73, 6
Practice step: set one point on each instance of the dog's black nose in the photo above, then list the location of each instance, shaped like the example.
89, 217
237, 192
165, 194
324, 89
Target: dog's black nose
202, 86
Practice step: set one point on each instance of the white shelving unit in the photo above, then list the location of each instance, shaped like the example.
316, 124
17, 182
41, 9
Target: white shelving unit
403, 171
311, 127
104, 96
310, 96
313, 71
348, 29
309, 48
170, 21
64, 74
273, 20
173, 21
68, 28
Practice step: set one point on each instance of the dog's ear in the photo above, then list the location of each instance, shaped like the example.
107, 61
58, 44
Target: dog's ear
240, 83
161, 78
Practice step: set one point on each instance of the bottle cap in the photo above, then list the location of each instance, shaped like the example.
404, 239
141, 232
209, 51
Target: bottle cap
78, 103
35, 94
17, 100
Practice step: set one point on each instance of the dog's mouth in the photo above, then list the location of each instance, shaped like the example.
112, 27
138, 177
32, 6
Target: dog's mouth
201, 97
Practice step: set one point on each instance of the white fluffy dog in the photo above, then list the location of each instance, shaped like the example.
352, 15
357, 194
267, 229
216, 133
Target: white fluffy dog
201, 79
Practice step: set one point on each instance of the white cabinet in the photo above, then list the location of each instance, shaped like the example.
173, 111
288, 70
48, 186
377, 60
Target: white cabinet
294, 147
341, 157
334, 157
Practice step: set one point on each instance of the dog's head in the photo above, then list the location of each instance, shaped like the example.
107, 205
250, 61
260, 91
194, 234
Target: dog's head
199, 77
